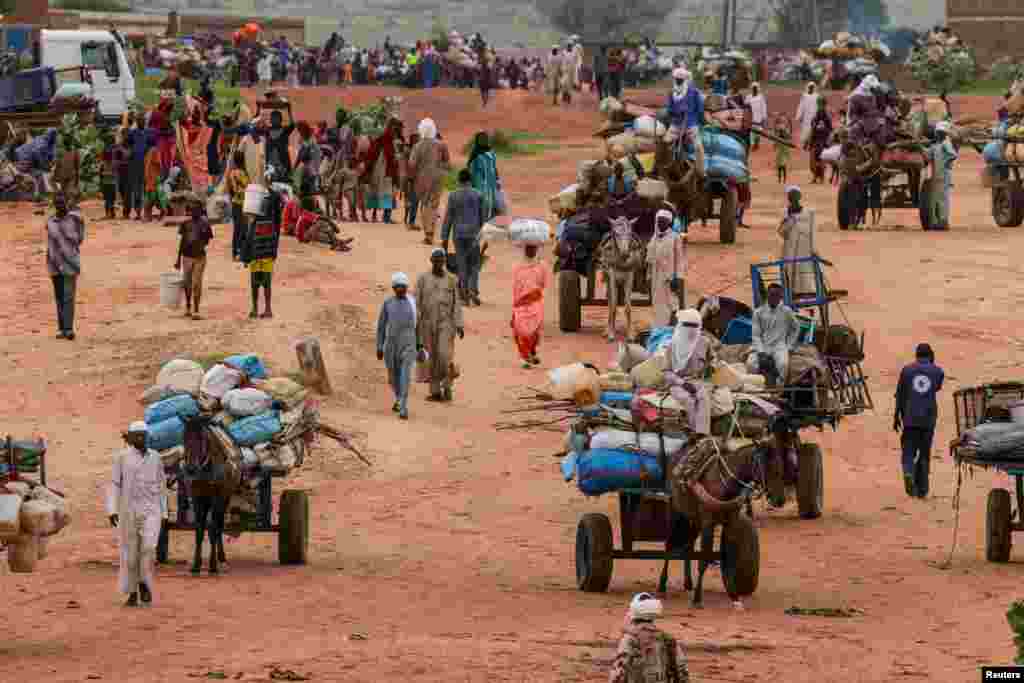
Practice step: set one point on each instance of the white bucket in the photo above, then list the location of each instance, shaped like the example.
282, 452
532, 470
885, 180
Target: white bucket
255, 200
172, 289
1017, 411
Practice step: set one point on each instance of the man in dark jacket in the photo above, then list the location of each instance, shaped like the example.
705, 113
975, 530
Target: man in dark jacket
916, 414
465, 217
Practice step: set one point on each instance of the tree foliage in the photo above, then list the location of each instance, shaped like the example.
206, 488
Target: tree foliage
606, 20
943, 70
1015, 616
92, 5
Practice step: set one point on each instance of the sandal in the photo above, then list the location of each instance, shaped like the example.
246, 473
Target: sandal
435, 398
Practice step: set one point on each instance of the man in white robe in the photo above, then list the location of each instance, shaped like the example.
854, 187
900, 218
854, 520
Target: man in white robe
666, 259
137, 504
775, 333
797, 233
806, 111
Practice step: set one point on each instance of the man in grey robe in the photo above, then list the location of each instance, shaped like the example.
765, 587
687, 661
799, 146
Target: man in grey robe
775, 333
397, 343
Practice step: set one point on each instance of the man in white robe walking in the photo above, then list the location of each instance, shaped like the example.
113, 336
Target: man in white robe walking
137, 504
666, 258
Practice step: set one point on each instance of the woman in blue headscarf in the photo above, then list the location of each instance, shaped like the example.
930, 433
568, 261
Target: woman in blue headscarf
483, 165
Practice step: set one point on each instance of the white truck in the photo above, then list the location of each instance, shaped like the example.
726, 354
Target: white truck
101, 56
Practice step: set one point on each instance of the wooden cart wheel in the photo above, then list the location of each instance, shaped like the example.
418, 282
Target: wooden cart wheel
1008, 206
293, 531
727, 217
741, 557
848, 205
162, 543
570, 312
998, 540
594, 553
810, 486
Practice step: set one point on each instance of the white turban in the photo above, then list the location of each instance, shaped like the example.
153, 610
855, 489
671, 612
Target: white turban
427, 129
664, 213
790, 189
870, 81
685, 337
399, 280
645, 607
681, 74
138, 427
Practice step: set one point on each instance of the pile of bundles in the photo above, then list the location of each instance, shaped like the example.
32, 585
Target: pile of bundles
804, 67
735, 64
853, 48
29, 512
521, 231
1008, 143
997, 441
628, 129
460, 53
943, 62
626, 419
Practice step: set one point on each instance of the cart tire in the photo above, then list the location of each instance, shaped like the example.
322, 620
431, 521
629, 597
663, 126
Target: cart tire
1008, 206
846, 205
22, 554
924, 205
741, 557
293, 532
727, 217
998, 540
810, 486
162, 543
594, 553
570, 312
43, 548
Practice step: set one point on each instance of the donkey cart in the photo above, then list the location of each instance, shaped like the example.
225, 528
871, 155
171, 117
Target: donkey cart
989, 404
292, 526
893, 176
1008, 195
646, 516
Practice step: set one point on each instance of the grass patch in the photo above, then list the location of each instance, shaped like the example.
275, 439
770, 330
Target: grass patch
147, 91
513, 143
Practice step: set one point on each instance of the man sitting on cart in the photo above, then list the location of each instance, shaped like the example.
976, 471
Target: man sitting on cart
775, 332
686, 112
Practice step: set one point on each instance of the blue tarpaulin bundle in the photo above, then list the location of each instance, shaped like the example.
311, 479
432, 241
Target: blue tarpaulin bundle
605, 470
250, 431
183, 406
166, 434
248, 363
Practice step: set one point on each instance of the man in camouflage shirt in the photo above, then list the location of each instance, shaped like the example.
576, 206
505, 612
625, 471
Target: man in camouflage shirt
646, 653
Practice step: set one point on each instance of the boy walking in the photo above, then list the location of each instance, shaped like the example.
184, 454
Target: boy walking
916, 414
195, 234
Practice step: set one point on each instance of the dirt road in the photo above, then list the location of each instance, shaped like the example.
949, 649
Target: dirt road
452, 560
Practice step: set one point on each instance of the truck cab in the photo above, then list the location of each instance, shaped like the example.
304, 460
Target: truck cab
101, 56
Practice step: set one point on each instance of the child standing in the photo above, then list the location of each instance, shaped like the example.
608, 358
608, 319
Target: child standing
784, 132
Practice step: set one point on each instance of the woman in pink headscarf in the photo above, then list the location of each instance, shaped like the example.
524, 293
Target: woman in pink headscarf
529, 280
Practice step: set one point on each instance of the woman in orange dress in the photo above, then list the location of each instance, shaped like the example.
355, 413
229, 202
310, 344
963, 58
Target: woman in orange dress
530, 279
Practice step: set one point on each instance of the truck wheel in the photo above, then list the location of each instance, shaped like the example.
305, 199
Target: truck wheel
727, 217
810, 486
847, 210
1008, 206
162, 543
741, 557
998, 539
594, 553
570, 312
293, 531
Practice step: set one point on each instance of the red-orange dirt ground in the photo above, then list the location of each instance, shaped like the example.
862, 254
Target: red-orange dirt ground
452, 558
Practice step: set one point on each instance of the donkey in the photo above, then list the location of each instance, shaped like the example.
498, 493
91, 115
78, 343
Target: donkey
718, 311
213, 475
621, 256
715, 497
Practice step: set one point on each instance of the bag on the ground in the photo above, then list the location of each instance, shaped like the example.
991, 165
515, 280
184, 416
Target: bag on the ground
219, 380
248, 363
181, 375
166, 435
250, 431
604, 470
183, 406
247, 402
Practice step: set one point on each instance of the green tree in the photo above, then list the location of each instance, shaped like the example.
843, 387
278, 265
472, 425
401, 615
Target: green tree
92, 5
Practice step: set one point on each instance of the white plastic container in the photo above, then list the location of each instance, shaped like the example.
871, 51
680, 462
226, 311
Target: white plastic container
172, 290
255, 200
1017, 411
565, 381
10, 524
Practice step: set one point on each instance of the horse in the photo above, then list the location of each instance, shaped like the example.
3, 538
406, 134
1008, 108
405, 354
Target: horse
621, 256
709, 488
212, 474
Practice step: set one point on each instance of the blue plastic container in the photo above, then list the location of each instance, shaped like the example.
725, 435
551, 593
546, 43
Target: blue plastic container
604, 470
617, 399
260, 428
994, 152
248, 363
738, 331
183, 406
166, 434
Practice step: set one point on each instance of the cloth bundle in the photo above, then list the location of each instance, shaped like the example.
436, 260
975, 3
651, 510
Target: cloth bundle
996, 441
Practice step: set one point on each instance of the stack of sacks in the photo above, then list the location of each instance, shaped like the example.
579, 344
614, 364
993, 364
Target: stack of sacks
725, 156
29, 514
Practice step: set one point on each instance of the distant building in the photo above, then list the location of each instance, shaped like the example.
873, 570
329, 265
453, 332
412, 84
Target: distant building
991, 27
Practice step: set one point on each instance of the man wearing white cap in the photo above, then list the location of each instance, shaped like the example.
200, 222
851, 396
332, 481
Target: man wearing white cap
646, 653
397, 341
666, 259
137, 504
686, 112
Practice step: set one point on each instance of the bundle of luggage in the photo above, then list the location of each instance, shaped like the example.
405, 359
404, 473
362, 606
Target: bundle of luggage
260, 414
30, 513
845, 45
994, 441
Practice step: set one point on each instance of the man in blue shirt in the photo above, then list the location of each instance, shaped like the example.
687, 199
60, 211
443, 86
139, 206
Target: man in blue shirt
916, 414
